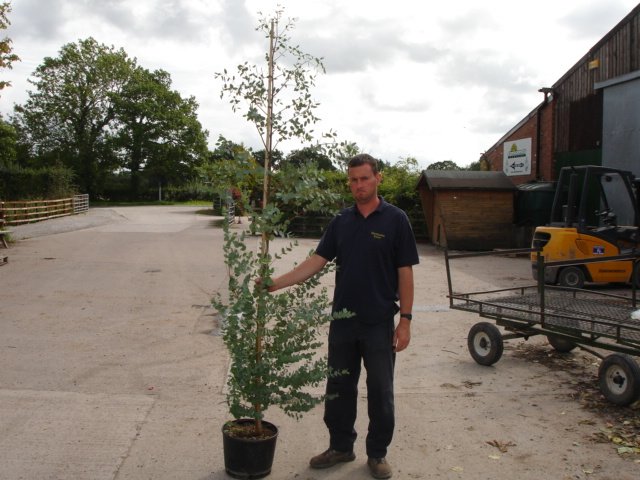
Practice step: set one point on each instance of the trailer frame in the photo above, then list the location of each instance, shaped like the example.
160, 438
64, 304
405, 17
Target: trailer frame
568, 317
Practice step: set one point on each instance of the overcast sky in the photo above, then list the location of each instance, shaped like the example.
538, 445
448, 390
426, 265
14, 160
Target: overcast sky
432, 80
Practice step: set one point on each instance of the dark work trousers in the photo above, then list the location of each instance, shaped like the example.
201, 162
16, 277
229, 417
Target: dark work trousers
351, 343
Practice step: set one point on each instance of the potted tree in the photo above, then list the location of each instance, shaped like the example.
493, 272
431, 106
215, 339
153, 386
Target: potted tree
272, 339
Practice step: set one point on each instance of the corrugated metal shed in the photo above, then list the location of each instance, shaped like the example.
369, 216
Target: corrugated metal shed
460, 180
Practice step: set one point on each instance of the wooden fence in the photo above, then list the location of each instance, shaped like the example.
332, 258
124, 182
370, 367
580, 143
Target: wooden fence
19, 212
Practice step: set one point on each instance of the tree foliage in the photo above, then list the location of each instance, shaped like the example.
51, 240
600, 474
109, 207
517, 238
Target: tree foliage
156, 129
277, 102
399, 183
96, 111
71, 111
7, 57
8, 148
309, 155
233, 166
271, 338
444, 165
300, 190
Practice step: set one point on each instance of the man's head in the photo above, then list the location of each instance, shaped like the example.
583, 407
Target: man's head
364, 178
363, 159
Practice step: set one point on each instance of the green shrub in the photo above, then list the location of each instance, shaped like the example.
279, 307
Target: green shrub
189, 191
18, 183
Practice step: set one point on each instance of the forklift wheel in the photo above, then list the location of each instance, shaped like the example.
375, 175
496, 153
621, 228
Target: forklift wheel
560, 344
485, 343
571, 277
619, 378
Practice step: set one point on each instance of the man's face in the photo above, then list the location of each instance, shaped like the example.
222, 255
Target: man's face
363, 183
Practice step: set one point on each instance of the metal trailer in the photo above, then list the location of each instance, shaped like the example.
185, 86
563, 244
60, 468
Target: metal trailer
568, 317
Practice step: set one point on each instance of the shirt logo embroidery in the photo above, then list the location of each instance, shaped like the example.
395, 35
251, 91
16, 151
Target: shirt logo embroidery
377, 236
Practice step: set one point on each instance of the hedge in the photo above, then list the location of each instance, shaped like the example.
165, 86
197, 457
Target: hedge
18, 183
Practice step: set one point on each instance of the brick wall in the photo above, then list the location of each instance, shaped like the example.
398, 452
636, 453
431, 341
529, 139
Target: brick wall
541, 168
472, 219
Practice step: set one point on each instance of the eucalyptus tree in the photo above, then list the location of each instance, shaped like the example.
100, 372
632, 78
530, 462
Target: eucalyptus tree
272, 338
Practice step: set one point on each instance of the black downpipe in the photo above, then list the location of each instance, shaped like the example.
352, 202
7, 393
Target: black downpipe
570, 211
538, 142
636, 184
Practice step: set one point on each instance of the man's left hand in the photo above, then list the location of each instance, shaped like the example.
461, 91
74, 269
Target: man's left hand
402, 335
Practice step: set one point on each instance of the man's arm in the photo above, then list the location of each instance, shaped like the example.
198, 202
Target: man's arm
402, 335
301, 273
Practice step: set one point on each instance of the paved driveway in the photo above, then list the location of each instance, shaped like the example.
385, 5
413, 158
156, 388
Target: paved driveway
105, 346
109, 368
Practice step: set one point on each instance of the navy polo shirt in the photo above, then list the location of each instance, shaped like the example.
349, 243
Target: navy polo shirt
368, 252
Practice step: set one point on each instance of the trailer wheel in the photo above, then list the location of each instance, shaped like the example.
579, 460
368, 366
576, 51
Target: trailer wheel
619, 378
485, 343
571, 277
560, 344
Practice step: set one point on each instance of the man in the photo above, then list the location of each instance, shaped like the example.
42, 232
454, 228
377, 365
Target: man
374, 248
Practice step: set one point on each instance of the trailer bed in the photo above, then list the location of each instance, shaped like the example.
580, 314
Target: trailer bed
579, 313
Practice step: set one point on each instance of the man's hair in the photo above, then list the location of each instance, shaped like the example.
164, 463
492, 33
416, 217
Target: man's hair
363, 159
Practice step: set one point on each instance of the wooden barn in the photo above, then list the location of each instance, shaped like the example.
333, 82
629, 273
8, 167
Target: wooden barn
589, 116
467, 210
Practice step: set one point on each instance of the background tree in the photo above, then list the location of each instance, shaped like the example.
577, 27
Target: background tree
444, 165
275, 159
95, 111
308, 155
8, 148
158, 130
399, 184
7, 57
71, 113
232, 166
482, 165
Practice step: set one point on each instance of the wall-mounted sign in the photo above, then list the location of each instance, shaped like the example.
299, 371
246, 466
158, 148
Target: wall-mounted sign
517, 157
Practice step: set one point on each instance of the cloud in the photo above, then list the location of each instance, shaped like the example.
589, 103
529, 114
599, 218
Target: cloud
150, 20
482, 70
348, 46
588, 18
237, 23
33, 21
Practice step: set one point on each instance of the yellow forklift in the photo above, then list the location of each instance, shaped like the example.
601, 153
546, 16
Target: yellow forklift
594, 215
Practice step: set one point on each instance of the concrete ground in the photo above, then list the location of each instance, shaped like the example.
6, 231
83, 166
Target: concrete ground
112, 369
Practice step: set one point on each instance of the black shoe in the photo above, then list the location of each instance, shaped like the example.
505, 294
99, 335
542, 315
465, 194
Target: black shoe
331, 457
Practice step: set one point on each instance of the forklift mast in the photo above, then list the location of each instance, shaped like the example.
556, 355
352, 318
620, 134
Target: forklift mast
593, 198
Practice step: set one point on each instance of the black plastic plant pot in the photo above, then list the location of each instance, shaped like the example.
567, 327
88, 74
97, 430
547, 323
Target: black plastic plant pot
248, 458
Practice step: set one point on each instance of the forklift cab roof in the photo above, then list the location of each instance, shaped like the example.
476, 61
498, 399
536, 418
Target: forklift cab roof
595, 198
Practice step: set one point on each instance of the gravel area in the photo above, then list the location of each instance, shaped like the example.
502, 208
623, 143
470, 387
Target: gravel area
95, 217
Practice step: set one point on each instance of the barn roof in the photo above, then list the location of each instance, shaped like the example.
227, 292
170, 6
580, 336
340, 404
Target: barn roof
456, 180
